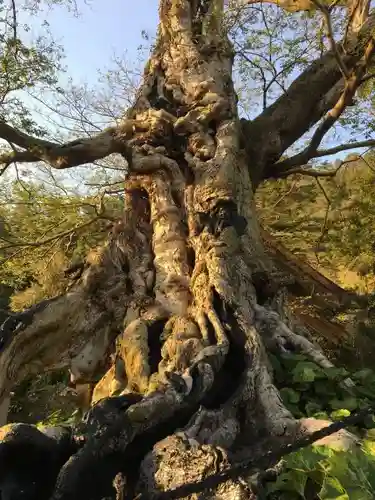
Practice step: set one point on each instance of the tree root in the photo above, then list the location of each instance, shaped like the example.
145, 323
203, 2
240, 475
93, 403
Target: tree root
279, 337
117, 429
174, 462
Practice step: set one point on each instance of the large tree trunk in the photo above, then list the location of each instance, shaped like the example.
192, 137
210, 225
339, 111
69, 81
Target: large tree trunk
175, 293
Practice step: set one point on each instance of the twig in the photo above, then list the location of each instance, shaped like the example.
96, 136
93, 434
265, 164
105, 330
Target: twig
331, 38
324, 225
312, 172
284, 195
53, 238
367, 77
14, 25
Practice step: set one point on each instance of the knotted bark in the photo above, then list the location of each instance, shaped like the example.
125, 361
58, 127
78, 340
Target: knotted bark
172, 297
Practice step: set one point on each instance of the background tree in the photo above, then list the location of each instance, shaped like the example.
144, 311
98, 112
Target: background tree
184, 291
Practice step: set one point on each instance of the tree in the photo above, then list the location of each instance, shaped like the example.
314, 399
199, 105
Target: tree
184, 286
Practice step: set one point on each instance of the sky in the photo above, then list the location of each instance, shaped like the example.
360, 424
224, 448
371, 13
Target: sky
104, 27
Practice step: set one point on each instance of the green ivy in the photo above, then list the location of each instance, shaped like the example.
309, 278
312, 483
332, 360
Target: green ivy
319, 472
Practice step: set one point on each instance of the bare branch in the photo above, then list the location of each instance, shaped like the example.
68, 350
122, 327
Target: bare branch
326, 12
313, 172
344, 147
61, 156
14, 22
351, 86
306, 169
325, 222
292, 115
35, 244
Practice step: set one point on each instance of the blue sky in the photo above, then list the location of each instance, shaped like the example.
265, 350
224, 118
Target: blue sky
103, 28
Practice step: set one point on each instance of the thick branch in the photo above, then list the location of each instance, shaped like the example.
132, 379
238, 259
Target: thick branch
308, 170
358, 12
62, 156
310, 96
331, 117
288, 5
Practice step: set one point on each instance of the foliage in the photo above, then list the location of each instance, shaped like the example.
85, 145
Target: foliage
329, 225
42, 232
29, 62
312, 391
319, 472
44, 400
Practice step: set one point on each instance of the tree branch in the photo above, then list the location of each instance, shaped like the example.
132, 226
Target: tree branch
358, 13
313, 172
61, 156
344, 147
24, 244
14, 19
326, 12
288, 5
332, 116
319, 89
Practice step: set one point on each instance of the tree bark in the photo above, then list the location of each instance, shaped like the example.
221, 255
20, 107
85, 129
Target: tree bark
172, 296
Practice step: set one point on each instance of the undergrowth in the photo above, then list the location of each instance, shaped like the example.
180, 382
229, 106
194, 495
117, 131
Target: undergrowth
314, 472
321, 472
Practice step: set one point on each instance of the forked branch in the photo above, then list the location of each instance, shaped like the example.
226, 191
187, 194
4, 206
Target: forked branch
292, 115
331, 117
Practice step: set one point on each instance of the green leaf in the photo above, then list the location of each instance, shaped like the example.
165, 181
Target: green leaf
306, 372
334, 373
293, 480
291, 360
289, 395
350, 403
369, 421
332, 490
340, 414
311, 408
323, 388
307, 458
321, 415
362, 375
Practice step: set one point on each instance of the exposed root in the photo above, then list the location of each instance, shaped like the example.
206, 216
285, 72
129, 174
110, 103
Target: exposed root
175, 461
280, 338
133, 347
116, 430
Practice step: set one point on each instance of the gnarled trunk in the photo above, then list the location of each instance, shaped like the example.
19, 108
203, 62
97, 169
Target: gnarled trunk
174, 294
